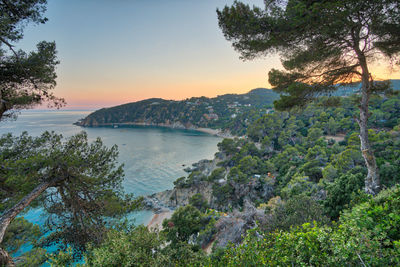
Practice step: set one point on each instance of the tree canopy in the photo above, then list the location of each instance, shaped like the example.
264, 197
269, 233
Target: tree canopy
78, 184
26, 78
321, 44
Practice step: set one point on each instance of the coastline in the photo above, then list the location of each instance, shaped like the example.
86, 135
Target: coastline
215, 132
157, 219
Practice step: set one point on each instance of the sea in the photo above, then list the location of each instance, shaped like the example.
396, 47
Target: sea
153, 157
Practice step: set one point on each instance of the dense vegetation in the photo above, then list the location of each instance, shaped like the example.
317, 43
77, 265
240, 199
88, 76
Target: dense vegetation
297, 176
297, 153
315, 214
77, 184
321, 44
232, 112
366, 235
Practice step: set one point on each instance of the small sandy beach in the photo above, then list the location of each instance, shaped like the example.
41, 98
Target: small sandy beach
208, 130
156, 221
215, 132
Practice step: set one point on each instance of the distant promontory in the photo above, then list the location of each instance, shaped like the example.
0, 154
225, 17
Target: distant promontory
226, 113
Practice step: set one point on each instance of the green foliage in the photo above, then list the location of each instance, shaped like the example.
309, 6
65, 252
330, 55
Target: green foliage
183, 254
329, 173
199, 202
20, 232
342, 191
62, 258
313, 176
34, 257
180, 182
323, 46
305, 246
299, 185
217, 174
326, 49
237, 176
193, 178
185, 222
23, 233
305, 153
227, 146
231, 112
207, 234
86, 195
306, 171
27, 78
295, 212
250, 165
367, 235
222, 193
137, 247
134, 247
370, 231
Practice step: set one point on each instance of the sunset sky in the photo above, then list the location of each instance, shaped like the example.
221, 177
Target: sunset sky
114, 52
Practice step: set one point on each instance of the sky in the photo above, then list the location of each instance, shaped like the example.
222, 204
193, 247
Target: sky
115, 52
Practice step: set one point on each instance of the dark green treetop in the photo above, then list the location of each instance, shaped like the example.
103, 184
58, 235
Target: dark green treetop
321, 44
26, 79
77, 183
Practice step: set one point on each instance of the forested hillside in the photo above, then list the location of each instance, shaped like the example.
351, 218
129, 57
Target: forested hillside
311, 177
277, 194
233, 112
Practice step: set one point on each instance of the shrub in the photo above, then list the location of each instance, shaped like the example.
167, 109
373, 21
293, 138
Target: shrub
341, 191
198, 202
295, 212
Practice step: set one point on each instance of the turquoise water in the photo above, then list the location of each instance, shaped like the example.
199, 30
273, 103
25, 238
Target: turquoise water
153, 157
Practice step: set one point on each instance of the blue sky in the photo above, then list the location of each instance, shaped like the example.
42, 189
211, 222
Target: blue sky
113, 52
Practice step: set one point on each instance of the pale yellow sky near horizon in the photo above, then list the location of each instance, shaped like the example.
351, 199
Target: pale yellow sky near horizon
125, 51
240, 81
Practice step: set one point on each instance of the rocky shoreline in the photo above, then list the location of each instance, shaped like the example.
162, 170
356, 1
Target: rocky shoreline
232, 226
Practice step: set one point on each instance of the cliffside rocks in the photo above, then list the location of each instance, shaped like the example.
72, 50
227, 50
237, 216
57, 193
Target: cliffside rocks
176, 197
233, 227
239, 203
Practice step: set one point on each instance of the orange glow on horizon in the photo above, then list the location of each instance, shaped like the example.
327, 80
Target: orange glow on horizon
110, 94
119, 93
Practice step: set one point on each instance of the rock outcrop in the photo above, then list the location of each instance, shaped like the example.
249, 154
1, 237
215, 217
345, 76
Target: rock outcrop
233, 227
177, 197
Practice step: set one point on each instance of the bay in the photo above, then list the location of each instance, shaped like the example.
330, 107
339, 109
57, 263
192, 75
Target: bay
153, 157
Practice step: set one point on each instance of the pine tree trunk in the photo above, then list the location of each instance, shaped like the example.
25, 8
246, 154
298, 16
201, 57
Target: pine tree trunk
372, 182
5, 259
3, 107
9, 215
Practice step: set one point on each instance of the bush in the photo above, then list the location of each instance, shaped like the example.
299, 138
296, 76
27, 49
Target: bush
367, 235
371, 232
341, 191
222, 193
185, 222
217, 174
138, 247
295, 212
304, 246
199, 202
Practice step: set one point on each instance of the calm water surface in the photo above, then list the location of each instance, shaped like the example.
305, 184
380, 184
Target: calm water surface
153, 157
